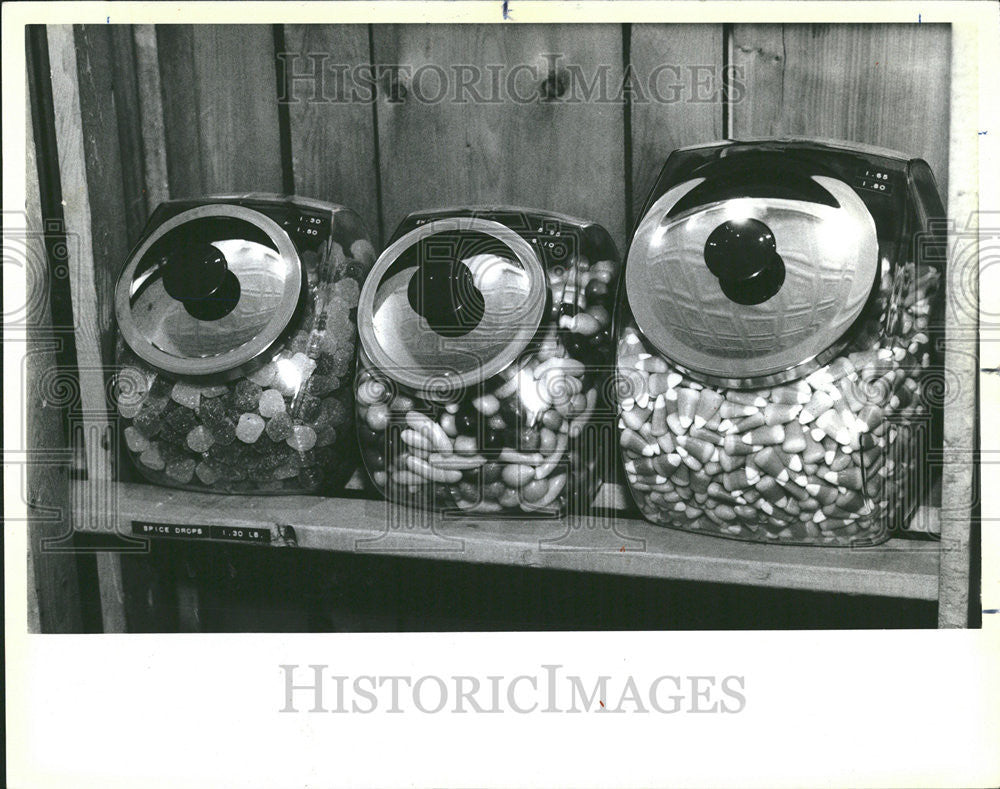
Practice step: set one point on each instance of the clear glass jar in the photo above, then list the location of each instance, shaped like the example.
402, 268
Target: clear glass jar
485, 360
776, 343
237, 342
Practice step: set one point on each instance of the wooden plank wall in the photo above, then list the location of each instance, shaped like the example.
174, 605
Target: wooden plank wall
210, 115
182, 110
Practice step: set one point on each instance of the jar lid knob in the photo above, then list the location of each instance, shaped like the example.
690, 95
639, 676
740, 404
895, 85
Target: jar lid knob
444, 293
198, 275
743, 256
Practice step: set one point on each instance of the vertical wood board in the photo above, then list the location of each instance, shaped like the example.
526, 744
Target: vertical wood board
563, 155
885, 85
681, 70
220, 109
961, 339
52, 582
151, 116
82, 136
331, 117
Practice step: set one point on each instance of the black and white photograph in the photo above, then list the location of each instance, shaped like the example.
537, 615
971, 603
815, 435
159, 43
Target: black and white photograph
363, 328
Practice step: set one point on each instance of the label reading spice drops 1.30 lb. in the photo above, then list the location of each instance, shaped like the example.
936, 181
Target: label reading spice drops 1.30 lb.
252, 534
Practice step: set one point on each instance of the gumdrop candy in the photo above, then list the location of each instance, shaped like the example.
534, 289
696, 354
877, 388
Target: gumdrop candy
264, 376
325, 435
148, 423
342, 359
347, 290
304, 364
320, 385
249, 428
208, 472
160, 388
181, 419
299, 342
213, 391
135, 440
181, 470
324, 365
355, 270
186, 395
335, 411
285, 471
363, 251
302, 438
232, 472
309, 477
308, 408
279, 427
200, 439
224, 433
212, 412
271, 403
226, 453
151, 457
246, 395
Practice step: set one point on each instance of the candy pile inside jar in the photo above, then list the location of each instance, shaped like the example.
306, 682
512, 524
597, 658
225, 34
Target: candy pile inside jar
285, 426
513, 442
827, 459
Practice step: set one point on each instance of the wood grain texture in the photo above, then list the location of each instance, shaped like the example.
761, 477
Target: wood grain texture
560, 155
681, 70
897, 569
885, 85
108, 205
150, 116
332, 130
89, 163
958, 492
53, 586
125, 90
220, 109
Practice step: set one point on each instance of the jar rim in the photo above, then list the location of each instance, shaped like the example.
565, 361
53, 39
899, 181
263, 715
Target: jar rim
240, 356
526, 327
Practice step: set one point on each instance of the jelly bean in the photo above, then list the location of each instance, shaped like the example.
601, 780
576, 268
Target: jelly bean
422, 468
377, 417
424, 424
515, 475
487, 404
417, 441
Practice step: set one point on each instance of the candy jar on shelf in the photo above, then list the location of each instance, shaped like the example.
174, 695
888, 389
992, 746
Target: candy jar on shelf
236, 344
485, 354
775, 342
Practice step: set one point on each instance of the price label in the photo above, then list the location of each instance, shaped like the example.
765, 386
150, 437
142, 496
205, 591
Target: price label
147, 529
874, 180
254, 534
241, 533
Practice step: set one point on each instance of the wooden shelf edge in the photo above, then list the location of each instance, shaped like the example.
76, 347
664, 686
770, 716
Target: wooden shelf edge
594, 543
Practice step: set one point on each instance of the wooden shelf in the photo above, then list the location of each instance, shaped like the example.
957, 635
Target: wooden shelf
593, 543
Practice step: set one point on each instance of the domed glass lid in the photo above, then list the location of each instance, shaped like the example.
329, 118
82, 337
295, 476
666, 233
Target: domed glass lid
745, 279
210, 290
451, 303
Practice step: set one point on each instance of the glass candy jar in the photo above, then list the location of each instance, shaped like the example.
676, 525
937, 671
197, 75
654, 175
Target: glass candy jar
486, 348
775, 342
236, 344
